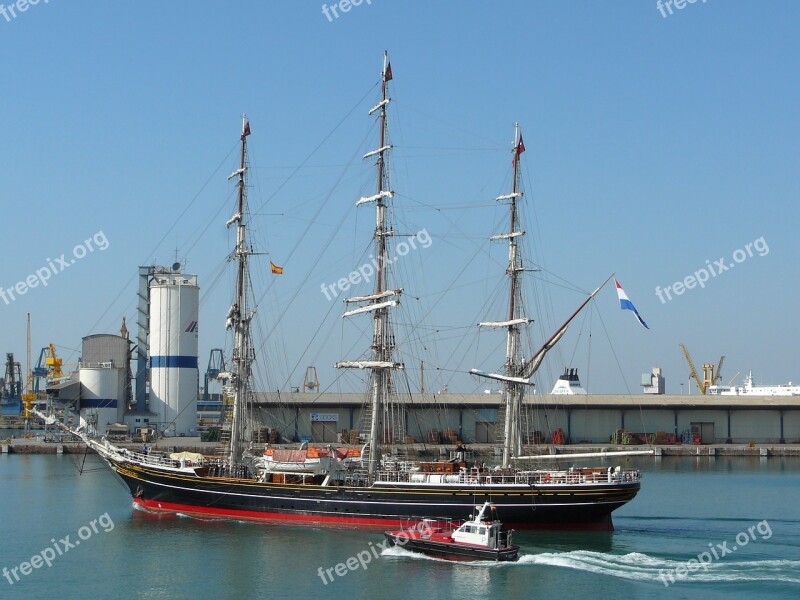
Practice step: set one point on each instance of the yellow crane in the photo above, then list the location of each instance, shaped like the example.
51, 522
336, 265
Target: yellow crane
54, 363
711, 376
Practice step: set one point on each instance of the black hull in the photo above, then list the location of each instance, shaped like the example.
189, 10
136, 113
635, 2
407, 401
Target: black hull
521, 507
451, 551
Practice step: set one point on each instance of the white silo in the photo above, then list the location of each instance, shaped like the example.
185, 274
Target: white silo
174, 301
102, 396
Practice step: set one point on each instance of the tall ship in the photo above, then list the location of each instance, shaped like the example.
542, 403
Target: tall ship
373, 486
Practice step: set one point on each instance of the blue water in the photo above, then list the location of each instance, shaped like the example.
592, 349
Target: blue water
685, 505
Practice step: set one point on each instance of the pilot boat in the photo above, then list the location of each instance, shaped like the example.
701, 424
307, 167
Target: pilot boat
481, 537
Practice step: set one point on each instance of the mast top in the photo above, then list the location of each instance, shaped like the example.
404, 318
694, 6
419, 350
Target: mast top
245, 126
386, 74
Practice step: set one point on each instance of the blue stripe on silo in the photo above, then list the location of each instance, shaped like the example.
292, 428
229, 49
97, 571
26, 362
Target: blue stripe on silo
98, 403
173, 362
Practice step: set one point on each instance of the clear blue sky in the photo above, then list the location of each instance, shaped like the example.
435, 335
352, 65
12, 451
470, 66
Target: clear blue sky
653, 144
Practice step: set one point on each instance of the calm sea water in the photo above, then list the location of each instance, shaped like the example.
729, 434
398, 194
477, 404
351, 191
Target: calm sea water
687, 506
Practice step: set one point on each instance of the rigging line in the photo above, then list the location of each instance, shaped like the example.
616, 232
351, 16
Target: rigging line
589, 352
164, 237
211, 221
302, 238
318, 146
311, 342
317, 332
464, 149
476, 204
290, 167
614, 354
425, 209
455, 287
619, 367
456, 127
345, 214
299, 205
577, 342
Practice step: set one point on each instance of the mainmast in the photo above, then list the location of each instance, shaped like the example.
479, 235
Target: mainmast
382, 298
238, 315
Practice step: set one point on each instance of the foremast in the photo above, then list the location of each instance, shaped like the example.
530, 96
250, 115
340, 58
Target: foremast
382, 299
239, 315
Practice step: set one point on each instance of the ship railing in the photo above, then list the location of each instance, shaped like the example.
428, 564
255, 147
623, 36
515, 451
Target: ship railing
393, 476
581, 476
474, 477
160, 460
629, 475
359, 478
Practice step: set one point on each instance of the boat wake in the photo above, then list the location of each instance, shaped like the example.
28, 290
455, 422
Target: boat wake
635, 566
641, 567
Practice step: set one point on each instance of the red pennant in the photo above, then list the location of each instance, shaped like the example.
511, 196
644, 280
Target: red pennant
520, 149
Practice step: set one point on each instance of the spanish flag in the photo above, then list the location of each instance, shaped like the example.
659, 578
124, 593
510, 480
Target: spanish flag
275, 268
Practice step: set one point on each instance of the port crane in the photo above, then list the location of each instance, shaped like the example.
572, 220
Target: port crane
711, 376
48, 366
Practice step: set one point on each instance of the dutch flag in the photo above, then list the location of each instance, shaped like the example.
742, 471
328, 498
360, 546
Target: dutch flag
626, 304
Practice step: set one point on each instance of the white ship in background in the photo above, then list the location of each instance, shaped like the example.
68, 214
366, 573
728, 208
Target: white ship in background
568, 384
748, 389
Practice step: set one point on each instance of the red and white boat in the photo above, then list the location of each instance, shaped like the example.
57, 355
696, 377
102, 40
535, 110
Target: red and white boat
480, 538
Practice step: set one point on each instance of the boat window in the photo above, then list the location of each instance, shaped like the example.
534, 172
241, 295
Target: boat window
482, 531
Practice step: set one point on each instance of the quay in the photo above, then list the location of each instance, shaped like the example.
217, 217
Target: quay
486, 452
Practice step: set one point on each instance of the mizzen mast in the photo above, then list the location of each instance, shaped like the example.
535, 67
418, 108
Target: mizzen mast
382, 299
513, 381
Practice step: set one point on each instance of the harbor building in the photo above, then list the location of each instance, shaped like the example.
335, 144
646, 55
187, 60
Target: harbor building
589, 418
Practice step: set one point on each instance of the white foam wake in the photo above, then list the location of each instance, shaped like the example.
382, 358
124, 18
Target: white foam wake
641, 567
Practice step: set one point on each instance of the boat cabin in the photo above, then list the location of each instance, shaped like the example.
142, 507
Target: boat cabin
483, 530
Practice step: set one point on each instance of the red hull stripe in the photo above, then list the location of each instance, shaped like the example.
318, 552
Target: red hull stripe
342, 520
276, 517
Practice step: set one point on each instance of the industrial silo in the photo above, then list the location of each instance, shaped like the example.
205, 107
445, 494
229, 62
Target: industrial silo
174, 301
102, 375
102, 397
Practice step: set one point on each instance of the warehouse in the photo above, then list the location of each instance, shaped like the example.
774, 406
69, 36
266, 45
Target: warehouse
581, 418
